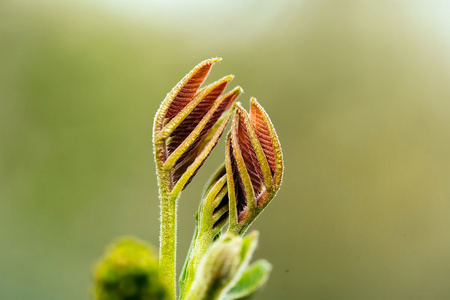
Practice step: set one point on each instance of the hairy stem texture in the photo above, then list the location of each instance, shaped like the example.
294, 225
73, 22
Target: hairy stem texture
168, 234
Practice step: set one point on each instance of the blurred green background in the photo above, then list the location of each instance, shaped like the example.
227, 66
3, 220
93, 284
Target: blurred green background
359, 92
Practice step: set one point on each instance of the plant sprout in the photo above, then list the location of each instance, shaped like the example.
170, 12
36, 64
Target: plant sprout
187, 127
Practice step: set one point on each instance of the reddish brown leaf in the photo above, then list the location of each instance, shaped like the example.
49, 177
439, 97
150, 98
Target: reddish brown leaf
262, 131
248, 152
188, 91
225, 103
192, 120
190, 156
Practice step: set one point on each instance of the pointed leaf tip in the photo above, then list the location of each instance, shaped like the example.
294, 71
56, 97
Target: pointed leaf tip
242, 128
268, 138
258, 118
186, 89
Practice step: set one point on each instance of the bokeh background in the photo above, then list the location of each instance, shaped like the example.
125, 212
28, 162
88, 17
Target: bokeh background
359, 92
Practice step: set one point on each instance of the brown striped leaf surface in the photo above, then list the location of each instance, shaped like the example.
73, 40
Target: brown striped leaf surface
254, 165
189, 123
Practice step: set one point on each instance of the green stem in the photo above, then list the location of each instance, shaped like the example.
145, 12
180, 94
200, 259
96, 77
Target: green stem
168, 234
200, 246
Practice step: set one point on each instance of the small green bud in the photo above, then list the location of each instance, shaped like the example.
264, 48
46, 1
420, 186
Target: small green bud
222, 266
128, 271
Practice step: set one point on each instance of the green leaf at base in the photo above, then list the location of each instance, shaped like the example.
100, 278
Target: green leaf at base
253, 278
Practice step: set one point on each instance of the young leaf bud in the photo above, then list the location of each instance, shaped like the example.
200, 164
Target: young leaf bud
254, 164
189, 123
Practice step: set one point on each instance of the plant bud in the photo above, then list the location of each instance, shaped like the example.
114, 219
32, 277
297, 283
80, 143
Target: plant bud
254, 165
129, 270
189, 123
222, 266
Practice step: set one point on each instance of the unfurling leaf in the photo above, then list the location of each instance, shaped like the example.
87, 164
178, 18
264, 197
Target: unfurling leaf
213, 211
189, 124
253, 278
254, 164
129, 270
